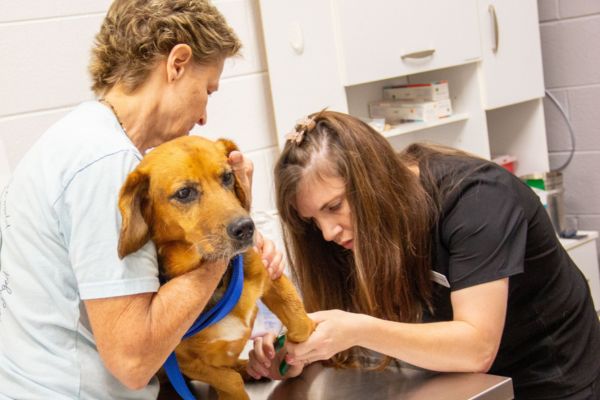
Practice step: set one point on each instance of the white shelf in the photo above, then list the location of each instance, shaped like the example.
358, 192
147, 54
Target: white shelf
569, 244
408, 127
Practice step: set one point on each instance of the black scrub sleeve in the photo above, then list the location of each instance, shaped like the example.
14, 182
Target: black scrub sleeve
485, 231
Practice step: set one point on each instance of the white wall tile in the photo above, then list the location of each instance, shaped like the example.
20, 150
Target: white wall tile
571, 52
580, 182
583, 105
575, 8
548, 10
18, 10
242, 111
44, 63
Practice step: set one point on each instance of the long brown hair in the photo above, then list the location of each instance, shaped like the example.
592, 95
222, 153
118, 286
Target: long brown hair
387, 275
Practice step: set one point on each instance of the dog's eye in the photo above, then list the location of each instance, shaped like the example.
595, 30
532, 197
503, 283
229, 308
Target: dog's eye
186, 194
228, 179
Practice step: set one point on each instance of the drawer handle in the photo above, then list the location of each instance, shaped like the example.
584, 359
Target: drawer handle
492, 11
419, 54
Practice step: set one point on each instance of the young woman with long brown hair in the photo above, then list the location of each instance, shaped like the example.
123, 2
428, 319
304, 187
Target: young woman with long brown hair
431, 256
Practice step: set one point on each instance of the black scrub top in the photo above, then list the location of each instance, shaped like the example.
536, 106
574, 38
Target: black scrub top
492, 226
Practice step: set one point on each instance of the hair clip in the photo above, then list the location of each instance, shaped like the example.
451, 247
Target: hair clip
295, 136
302, 126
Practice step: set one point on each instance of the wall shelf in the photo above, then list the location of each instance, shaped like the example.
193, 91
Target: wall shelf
407, 127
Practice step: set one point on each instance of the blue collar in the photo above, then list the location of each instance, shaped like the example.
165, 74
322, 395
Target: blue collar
212, 316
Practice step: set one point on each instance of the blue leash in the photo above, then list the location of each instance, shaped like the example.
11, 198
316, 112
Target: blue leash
215, 314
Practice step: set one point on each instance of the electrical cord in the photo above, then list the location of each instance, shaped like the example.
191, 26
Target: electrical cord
572, 133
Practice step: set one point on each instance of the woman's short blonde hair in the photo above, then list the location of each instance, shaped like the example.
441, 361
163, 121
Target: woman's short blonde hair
136, 34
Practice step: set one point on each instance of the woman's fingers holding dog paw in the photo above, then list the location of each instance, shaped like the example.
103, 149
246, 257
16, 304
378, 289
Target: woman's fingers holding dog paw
262, 354
254, 368
264, 351
264, 360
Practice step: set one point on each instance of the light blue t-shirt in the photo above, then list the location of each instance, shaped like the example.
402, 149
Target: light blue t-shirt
59, 225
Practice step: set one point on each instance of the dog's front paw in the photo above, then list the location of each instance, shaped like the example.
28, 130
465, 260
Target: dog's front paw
301, 330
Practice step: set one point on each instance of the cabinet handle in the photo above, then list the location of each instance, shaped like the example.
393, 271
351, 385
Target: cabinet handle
492, 11
419, 54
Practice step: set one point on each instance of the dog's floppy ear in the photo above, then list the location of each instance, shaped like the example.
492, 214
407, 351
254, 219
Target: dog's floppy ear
134, 229
240, 192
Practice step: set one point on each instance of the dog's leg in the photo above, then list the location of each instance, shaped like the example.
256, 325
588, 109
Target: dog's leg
240, 368
283, 300
226, 381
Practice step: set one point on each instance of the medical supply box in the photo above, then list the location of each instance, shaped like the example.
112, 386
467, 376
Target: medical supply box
421, 91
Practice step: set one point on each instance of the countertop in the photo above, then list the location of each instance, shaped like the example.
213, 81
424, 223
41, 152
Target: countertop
320, 383
584, 237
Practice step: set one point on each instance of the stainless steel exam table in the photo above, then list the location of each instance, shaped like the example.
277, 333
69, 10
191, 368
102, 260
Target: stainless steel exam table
320, 383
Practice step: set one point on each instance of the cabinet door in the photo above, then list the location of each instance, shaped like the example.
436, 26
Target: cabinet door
512, 57
381, 39
302, 62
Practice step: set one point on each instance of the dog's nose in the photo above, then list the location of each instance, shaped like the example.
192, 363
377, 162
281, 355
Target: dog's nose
241, 229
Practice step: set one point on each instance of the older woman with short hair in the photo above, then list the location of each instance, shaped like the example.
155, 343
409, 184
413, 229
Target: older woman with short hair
75, 320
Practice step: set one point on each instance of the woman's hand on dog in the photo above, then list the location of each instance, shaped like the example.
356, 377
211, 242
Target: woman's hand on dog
263, 361
336, 331
271, 257
243, 169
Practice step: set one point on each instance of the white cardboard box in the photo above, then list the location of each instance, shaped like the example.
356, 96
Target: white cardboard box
404, 110
420, 91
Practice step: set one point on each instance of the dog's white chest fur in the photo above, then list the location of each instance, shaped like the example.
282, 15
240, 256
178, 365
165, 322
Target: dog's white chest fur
231, 328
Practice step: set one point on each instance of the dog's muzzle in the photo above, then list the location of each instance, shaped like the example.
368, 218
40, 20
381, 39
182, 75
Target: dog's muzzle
242, 231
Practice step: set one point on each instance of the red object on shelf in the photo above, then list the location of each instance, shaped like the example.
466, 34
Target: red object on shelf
507, 161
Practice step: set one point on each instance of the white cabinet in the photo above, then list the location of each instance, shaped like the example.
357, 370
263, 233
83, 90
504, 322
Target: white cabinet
301, 57
511, 68
382, 39
512, 82
339, 54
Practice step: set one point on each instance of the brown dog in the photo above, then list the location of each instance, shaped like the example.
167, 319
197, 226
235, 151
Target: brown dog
184, 196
